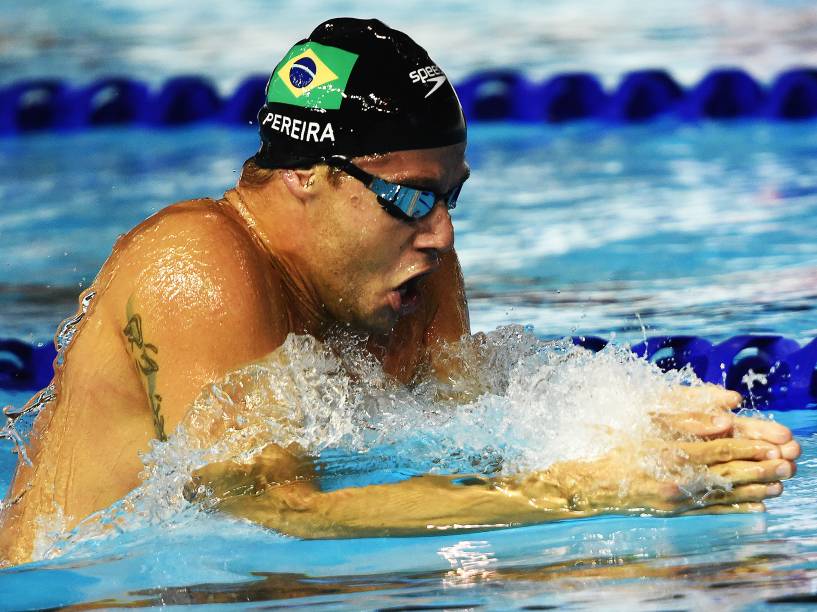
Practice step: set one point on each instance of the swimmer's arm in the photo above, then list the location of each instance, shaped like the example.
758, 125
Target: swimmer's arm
703, 411
448, 321
190, 301
432, 504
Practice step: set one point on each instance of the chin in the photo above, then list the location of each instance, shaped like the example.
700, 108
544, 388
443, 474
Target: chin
378, 322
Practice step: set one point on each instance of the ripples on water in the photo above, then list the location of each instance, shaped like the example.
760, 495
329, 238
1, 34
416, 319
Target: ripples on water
151, 39
519, 405
703, 229
542, 400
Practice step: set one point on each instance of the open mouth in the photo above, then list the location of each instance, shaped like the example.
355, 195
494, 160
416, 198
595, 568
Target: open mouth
409, 289
406, 297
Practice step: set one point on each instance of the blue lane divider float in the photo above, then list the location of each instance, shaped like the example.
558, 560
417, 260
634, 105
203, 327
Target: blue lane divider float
773, 372
25, 367
782, 374
492, 95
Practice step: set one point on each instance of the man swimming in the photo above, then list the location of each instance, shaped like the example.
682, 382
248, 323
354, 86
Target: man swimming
339, 222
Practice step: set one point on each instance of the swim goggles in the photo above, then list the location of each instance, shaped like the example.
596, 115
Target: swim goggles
404, 203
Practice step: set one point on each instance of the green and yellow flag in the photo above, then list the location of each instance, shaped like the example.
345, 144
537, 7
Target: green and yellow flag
312, 76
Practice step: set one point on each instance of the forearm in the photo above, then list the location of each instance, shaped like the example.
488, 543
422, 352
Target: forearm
419, 506
714, 476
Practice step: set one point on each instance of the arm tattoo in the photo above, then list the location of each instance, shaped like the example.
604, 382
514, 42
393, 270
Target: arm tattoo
145, 358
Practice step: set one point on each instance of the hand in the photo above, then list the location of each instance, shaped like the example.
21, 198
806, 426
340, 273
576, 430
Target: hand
705, 412
722, 475
273, 466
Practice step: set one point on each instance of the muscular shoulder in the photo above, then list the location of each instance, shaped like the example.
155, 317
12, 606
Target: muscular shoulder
193, 262
198, 237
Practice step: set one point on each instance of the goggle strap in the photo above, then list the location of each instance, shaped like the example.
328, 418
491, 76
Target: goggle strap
389, 203
452, 196
343, 163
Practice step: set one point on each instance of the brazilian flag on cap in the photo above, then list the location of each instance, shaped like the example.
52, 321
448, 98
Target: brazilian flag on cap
312, 75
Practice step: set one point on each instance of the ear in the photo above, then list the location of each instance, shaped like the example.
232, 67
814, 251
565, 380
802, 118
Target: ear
300, 182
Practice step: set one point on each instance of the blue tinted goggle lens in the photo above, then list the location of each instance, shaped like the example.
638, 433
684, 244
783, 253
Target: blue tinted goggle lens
410, 202
405, 203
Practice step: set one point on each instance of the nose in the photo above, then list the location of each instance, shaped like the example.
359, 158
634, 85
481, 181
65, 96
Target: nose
435, 230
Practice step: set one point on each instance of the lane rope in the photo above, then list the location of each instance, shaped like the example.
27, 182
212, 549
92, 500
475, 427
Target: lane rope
772, 371
492, 95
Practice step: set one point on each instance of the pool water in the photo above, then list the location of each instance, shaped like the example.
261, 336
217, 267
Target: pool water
654, 229
671, 228
664, 228
730, 562
151, 40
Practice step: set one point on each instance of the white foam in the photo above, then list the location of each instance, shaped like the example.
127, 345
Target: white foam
519, 404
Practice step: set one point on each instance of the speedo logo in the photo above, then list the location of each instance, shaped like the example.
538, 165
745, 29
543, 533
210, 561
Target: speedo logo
431, 74
298, 129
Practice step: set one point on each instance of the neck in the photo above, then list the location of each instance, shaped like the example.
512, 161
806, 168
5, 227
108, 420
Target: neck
277, 225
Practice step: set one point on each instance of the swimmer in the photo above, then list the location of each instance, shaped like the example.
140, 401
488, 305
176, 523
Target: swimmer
339, 221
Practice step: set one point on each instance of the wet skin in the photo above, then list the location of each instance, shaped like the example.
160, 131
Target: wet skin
204, 287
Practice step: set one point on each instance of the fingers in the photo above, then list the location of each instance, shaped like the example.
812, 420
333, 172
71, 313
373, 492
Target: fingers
759, 429
746, 472
769, 431
790, 450
696, 424
703, 397
743, 494
723, 450
743, 508
684, 500
713, 426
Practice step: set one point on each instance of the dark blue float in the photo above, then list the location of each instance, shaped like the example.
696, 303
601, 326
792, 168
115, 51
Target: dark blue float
724, 94
572, 96
24, 367
491, 95
643, 95
783, 375
495, 95
242, 107
183, 100
33, 105
793, 95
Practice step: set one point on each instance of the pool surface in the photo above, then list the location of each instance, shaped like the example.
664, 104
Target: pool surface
656, 229
663, 228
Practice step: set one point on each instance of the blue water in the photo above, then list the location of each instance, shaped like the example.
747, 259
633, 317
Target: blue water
664, 228
700, 229
737, 562
152, 39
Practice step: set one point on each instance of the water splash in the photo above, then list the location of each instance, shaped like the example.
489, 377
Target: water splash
69, 327
15, 417
510, 403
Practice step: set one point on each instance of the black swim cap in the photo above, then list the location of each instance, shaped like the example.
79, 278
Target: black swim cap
355, 87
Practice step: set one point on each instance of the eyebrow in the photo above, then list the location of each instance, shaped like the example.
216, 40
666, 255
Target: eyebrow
422, 183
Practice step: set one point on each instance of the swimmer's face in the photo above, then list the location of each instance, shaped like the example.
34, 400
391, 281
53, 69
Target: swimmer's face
372, 264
